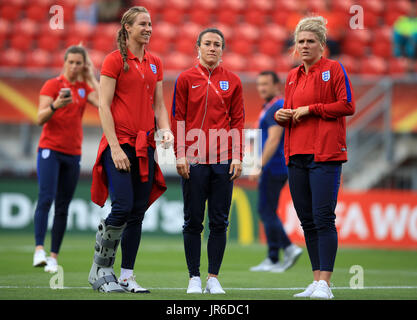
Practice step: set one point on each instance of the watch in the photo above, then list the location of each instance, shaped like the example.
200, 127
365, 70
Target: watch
52, 107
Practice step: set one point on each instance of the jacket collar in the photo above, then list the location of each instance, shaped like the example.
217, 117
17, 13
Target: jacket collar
131, 56
315, 66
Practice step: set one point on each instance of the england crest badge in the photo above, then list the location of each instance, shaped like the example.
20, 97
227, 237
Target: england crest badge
224, 85
325, 75
153, 68
81, 92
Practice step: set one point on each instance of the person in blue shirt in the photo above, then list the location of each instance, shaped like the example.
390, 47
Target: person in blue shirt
272, 175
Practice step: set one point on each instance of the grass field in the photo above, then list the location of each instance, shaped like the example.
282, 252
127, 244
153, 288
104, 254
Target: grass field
161, 268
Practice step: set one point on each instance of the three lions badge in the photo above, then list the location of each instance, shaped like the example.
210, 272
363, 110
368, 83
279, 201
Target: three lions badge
224, 85
325, 75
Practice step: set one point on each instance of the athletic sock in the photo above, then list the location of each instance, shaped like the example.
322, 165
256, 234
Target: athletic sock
125, 273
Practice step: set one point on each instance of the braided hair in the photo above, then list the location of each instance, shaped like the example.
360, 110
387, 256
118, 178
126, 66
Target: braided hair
128, 18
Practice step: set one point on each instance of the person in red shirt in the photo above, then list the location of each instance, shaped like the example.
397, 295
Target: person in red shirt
62, 103
207, 121
318, 97
131, 102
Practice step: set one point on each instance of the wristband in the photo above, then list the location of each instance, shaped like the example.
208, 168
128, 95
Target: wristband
52, 107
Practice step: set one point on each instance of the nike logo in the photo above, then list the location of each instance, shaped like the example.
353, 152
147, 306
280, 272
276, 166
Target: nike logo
291, 83
195, 86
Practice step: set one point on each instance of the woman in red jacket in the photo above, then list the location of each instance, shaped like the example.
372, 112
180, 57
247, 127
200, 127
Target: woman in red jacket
318, 97
131, 102
62, 102
207, 108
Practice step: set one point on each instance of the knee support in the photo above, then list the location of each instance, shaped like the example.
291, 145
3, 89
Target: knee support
102, 275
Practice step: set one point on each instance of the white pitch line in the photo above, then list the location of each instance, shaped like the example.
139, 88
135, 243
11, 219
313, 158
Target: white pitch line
240, 289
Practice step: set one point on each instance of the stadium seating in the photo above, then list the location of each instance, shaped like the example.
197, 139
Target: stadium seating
258, 33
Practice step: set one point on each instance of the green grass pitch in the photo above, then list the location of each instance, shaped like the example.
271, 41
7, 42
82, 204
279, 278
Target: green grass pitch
161, 267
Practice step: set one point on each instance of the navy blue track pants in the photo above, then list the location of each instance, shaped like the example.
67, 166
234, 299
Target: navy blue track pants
129, 200
269, 189
314, 187
211, 183
57, 179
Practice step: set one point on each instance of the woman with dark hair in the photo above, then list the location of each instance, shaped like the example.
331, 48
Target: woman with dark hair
131, 98
62, 103
207, 108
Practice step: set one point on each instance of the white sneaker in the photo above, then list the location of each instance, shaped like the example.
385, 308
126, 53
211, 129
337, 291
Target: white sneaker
194, 285
130, 285
213, 286
51, 265
264, 266
322, 291
39, 258
308, 291
291, 254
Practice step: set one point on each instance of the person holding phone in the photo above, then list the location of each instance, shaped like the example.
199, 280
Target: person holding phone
207, 120
62, 103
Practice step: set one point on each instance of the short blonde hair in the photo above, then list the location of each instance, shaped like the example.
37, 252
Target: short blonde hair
317, 25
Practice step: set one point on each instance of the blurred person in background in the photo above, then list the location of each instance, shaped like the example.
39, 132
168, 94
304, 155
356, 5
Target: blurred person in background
405, 37
207, 99
273, 175
318, 97
131, 105
62, 103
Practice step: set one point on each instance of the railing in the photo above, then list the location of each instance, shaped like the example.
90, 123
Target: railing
369, 131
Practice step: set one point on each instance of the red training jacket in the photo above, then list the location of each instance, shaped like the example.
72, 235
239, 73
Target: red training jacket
333, 100
205, 105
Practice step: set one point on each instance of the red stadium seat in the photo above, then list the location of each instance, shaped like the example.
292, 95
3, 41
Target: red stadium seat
260, 62
173, 15
234, 62
316, 6
84, 29
341, 6
164, 30
255, 17
397, 66
274, 32
371, 20
183, 5
374, 6
247, 32
97, 57
266, 6
177, 61
354, 49
49, 42
200, 16
11, 58
356, 42
229, 18
382, 49
159, 46
10, 12
75, 40
208, 5
237, 6
372, 65
21, 42
26, 26
228, 31
350, 63
153, 6
38, 12
5, 28
37, 58
104, 44
58, 59
190, 31
241, 47
107, 30
46, 29
186, 46
270, 47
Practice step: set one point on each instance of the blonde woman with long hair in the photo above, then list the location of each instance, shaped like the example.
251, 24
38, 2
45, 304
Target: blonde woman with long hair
131, 98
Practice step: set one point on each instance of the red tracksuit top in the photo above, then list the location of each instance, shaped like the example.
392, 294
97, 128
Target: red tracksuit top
332, 99
202, 107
